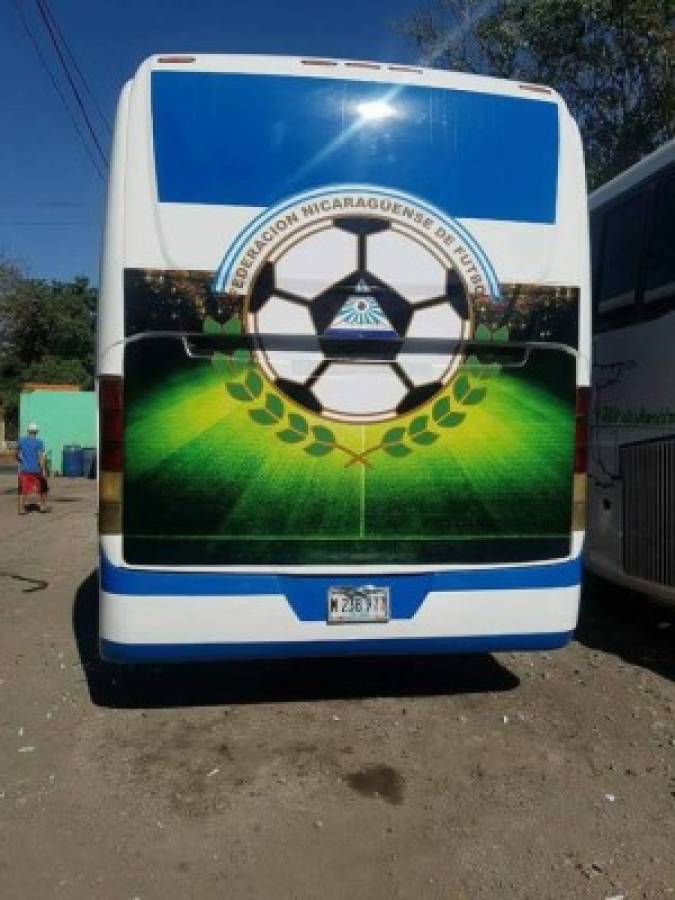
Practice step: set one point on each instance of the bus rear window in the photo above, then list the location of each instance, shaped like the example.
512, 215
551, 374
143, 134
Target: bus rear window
251, 140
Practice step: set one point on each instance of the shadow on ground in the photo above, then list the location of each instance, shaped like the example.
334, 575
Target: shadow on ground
628, 625
210, 684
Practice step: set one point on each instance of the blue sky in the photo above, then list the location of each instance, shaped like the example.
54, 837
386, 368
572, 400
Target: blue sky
51, 199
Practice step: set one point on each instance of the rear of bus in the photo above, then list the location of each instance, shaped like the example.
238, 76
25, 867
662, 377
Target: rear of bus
343, 358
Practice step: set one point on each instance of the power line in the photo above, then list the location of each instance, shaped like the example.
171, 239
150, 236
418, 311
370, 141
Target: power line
58, 90
71, 55
71, 82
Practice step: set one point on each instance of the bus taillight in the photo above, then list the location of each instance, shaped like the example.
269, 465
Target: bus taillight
111, 433
580, 459
581, 431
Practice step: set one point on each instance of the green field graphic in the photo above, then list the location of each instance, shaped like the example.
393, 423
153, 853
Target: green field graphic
216, 475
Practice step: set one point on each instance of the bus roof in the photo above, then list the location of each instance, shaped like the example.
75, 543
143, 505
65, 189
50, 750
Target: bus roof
627, 179
357, 70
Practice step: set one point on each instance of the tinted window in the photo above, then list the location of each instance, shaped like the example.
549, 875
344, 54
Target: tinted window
252, 140
621, 253
660, 262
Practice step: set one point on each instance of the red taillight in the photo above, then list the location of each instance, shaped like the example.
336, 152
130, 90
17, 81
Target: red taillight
111, 423
581, 431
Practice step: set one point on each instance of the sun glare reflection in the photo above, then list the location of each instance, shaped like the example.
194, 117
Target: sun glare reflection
367, 111
374, 110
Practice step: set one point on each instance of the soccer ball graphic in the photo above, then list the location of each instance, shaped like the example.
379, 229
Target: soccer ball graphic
355, 289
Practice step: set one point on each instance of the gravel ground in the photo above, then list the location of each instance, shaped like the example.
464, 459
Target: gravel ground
514, 775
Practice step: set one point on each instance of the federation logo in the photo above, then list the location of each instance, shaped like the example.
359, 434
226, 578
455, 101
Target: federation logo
361, 315
356, 272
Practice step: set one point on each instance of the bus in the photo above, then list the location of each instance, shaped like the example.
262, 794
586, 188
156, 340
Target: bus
343, 361
631, 515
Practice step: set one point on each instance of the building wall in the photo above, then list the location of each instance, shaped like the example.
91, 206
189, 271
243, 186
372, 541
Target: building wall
63, 417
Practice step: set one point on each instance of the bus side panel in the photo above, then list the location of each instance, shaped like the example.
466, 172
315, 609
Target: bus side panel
632, 449
631, 465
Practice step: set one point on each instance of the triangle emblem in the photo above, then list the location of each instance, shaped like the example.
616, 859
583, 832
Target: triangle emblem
361, 316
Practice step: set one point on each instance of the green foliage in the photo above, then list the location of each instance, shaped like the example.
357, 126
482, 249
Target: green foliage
323, 434
483, 333
392, 442
273, 411
318, 449
417, 431
46, 333
274, 406
420, 433
239, 392
254, 383
397, 442
418, 425
461, 388
420, 430
298, 423
210, 326
474, 396
231, 364
397, 450
290, 436
452, 420
263, 417
612, 60
393, 436
481, 370
296, 431
443, 416
324, 441
57, 370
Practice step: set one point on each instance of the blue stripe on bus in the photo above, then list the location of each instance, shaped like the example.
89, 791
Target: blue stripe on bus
306, 594
251, 140
493, 643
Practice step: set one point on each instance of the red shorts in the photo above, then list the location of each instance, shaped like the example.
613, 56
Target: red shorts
32, 483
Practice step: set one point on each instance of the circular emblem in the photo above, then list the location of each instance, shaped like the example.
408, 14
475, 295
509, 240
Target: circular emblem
358, 274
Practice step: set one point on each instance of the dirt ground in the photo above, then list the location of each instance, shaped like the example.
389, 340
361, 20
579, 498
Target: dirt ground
545, 775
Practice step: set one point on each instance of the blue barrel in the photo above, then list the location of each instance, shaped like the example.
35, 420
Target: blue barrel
89, 462
72, 461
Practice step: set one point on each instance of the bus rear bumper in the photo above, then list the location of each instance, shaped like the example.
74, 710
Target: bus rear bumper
464, 611
116, 652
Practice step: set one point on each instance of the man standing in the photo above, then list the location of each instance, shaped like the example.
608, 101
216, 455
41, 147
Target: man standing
30, 454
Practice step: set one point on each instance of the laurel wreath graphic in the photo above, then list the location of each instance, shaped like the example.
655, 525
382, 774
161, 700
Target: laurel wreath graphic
244, 384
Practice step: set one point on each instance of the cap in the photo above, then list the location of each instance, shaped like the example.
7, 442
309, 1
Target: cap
33, 427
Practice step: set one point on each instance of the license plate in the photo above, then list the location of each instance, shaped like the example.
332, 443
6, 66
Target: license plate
366, 603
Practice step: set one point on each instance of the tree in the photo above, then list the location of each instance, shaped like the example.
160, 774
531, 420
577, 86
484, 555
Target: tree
72, 314
612, 60
46, 333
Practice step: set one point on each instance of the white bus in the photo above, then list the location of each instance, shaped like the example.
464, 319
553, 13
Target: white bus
343, 352
632, 460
